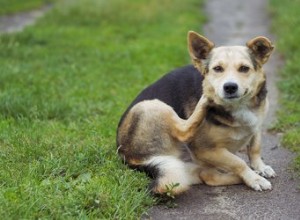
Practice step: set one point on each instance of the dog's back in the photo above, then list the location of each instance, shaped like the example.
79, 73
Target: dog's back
181, 89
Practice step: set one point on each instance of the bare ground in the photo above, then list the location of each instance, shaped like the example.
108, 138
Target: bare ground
234, 22
17, 22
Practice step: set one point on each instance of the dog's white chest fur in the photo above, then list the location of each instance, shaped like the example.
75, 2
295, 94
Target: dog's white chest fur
246, 117
247, 123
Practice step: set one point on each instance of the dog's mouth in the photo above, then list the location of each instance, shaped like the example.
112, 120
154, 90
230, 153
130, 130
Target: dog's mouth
231, 96
235, 96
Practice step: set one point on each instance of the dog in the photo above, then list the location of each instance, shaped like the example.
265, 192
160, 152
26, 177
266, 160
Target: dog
208, 110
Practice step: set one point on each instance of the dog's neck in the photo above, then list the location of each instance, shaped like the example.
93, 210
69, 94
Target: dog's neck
218, 115
243, 116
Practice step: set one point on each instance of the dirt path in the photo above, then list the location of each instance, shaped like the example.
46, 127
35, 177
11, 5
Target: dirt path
233, 22
16, 22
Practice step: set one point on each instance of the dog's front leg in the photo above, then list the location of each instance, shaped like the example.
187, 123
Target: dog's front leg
223, 159
256, 162
184, 130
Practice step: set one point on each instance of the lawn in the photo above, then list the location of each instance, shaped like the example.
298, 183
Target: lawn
64, 84
286, 25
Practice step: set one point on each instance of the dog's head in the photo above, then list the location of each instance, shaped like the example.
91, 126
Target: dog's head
232, 74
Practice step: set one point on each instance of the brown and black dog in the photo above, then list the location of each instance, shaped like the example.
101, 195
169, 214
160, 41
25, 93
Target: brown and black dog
211, 110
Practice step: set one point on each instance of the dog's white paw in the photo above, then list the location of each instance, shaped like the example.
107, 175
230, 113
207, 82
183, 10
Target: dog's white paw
264, 170
260, 184
257, 182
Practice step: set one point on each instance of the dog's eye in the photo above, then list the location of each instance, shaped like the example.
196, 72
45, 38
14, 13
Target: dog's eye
218, 69
244, 69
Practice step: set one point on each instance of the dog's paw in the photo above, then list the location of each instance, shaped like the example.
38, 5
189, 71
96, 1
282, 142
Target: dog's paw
256, 182
260, 184
265, 171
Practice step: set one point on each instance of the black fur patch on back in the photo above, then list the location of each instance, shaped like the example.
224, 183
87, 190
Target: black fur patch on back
176, 89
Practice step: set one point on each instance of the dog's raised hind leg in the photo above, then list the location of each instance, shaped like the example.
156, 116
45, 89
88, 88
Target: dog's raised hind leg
184, 130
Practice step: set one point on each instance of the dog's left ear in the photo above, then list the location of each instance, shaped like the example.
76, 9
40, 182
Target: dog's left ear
261, 48
199, 49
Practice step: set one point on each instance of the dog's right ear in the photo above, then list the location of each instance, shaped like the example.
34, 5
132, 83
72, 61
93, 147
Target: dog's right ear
261, 48
199, 49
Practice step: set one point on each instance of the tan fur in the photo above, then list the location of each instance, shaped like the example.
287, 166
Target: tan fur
184, 130
212, 147
214, 177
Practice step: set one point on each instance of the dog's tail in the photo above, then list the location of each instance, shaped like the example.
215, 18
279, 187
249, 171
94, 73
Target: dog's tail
170, 174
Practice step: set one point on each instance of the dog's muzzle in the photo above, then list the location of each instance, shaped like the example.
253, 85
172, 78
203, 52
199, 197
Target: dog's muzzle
230, 90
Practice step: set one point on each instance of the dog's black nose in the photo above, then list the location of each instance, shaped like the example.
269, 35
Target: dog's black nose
230, 88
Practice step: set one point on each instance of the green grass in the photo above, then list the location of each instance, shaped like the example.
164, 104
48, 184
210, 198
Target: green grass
286, 24
64, 84
13, 6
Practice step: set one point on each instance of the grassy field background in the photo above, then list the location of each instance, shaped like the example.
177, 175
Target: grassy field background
64, 84
286, 25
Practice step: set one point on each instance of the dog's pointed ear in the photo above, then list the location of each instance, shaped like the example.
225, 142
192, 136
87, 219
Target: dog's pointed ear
199, 48
261, 48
